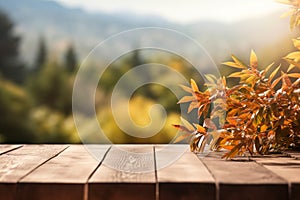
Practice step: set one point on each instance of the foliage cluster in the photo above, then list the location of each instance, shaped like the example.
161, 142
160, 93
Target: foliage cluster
259, 115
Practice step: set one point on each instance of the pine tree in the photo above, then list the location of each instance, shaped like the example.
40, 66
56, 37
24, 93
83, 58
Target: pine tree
70, 59
41, 56
10, 65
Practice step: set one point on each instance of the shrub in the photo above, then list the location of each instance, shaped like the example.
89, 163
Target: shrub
259, 115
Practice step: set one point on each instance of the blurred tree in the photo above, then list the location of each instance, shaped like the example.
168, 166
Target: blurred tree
10, 65
14, 118
41, 55
52, 87
70, 59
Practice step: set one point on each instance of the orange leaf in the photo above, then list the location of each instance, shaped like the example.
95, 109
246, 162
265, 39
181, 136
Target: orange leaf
200, 129
181, 128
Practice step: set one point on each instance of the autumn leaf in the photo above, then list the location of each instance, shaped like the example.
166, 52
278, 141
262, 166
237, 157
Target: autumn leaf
253, 60
194, 86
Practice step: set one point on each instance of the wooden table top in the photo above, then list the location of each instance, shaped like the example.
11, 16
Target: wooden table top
70, 172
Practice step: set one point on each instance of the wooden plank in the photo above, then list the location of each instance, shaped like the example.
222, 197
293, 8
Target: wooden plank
186, 178
127, 172
293, 154
287, 168
18, 163
4, 148
63, 177
245, 180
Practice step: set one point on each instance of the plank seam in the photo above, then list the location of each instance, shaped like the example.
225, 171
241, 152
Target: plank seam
11, 150
217, 184
86, 185
18, 182
156, 178
42, 163
270, 171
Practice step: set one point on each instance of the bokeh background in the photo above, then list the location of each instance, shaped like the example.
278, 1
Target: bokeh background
43, 43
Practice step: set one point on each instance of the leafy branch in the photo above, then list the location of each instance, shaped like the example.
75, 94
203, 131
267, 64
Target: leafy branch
259, 115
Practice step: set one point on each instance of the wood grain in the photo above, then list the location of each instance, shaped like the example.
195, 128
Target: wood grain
63, 177
16, 164
127, 172
246, 180
186, 178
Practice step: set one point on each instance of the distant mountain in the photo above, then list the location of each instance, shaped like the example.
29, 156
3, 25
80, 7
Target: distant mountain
62, 25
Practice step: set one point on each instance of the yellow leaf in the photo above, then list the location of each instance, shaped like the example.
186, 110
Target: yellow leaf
194, 86
187, 124
275, 82
268, 68
286, 14
211, 78
240, 63
192, 106
273, 73
296, 43
232, 64
186, 99
293, 55
185, 88
290, 67
236, 75
251, 80
181, 137
253, 60
294, 75
292, 63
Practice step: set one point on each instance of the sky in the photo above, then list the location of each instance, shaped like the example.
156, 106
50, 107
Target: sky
181, 11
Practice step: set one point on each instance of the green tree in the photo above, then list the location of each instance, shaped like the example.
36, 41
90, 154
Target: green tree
70, 59
52, 87
10, 65
41, 55
14, 119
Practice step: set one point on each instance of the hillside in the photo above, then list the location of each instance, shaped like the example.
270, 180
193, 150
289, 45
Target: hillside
61, 25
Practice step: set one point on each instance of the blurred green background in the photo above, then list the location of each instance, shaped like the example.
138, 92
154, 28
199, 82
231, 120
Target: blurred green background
42, 44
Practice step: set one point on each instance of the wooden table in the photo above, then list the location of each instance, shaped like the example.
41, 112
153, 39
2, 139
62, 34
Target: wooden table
70, 172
